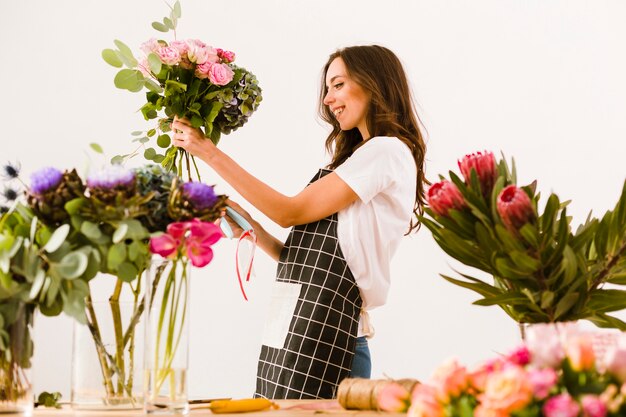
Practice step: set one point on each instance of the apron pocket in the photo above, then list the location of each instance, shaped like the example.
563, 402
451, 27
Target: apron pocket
283, 303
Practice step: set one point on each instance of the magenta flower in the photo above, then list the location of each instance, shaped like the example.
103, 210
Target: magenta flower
520, 356
164, 245
515, 207
593, 406
226, 56
542, 381
485, 166
192, 239
561, 406
444, 196
177, 229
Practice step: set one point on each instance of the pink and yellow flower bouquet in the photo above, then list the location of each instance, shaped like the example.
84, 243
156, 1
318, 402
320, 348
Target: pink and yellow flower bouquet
542, 270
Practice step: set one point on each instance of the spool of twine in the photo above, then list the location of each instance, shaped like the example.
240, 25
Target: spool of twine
362, 394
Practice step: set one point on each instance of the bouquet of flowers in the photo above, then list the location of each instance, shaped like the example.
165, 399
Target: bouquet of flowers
559, 372
542, 270
184, 78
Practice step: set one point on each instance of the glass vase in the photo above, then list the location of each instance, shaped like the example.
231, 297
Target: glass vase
16, 351
167, 338
107, 357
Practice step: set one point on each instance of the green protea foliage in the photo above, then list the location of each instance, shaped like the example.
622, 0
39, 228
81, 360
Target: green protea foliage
158, 181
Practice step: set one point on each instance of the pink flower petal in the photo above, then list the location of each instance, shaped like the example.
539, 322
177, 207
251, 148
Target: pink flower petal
199, 254
163, 245
206, 232
177, 229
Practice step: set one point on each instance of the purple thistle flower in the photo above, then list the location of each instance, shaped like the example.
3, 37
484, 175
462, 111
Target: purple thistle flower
111, 177
44, 180
200, 195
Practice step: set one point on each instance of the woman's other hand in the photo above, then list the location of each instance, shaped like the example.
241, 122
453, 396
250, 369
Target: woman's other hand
191, 139
236, 229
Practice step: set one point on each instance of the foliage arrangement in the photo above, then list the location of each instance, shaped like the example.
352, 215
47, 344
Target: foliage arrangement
543, 271
184, 78
558, 372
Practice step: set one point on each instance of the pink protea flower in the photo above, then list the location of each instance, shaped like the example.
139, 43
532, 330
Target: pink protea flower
542, 381
424, 402
561, 406
394, 397
593, 406
450, 379
514, 207
484, 163
443, 196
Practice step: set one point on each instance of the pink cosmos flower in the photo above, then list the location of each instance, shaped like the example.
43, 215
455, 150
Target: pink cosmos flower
485, 166
450, 379
514, 207
507, 390
579, 352
561, 406
542, 381
168, 55
443, 196
593, 406
394, 397
424, 402
220, 74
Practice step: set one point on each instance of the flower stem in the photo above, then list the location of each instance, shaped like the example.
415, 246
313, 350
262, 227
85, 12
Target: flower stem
92, 324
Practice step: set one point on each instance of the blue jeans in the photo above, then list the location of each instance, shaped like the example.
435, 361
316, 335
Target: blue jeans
362, 362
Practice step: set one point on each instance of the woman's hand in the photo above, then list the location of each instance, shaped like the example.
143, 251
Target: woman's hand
237, 230
191, 139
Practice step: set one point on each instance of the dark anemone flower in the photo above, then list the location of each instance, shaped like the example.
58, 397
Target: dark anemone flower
111, 177
199, 195
10, 194
11, 171
44, 180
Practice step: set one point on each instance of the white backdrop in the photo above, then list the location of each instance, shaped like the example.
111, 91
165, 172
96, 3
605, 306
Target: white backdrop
539, 80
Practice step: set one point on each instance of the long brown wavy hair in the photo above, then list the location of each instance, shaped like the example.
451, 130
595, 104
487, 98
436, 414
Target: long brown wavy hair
391, 111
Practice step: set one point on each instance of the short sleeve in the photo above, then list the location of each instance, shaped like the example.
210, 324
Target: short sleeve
374, 166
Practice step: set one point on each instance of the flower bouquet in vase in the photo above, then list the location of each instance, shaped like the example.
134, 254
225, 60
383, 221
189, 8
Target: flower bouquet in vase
542, 270
185, 78
185, 243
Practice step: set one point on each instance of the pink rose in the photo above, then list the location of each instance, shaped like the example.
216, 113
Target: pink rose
520, 356
394, 397
478, 377
181, 46
199, 52
424, 402
544, 343
202, 70
226, 56
542, 381
579, 351
615, 360
561, 406
593, 406
221, 74
149, 46
444, 196
481, 411
507, 390
450, 379
168, 55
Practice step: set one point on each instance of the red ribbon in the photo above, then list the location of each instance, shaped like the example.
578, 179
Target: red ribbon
252, 236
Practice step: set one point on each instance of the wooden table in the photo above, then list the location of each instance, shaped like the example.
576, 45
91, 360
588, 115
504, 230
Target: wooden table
287, 408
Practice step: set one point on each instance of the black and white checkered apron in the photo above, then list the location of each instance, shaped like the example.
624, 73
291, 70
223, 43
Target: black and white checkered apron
318, 351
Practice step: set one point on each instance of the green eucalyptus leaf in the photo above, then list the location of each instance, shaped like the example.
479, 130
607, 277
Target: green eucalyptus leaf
96, 147
37, 284
126, 53
127, 272
151, 133
164, 141
154, 62
91, 230
117, 160
57, 238
73, 265
152, 86
149, 153
176, 10
136, 133
120, 233
129, 79
112, 58
160, 27
116, 255
168, 23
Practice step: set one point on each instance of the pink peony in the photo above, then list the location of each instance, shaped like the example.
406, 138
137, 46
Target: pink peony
561, 406
615, 360
507, 390
220, 74
542, 381
198, 52
443, 196
450, 379
593, 406
181, 47
485, 166
515, 207
579, 352
149, 46
168, 55
520, 356
424, 403
394, 397
544, 343
226, 56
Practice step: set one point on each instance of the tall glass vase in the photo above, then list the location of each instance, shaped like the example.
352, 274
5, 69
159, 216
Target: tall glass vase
16, 351
167, 338
107, 357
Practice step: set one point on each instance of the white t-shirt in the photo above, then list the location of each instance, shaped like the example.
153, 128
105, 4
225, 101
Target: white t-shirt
383, 174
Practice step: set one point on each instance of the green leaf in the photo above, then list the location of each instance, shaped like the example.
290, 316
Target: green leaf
152, 86
510, 298
129, 79
565, 304
127, 272
91, 230
604, 301
117, 160
149, 153
57, 238
547, 298
151, 133
164, 141
111, 58
481, 288
154, 62
116, 255
160, 27
127, 54
524, 262
73, 265
176, 10
120, 233
97, 148
136, 133
37, 284
168, 23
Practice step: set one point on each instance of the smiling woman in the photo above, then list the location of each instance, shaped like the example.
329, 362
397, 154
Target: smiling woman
345, 225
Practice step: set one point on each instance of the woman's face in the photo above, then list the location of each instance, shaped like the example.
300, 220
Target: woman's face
346, 99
